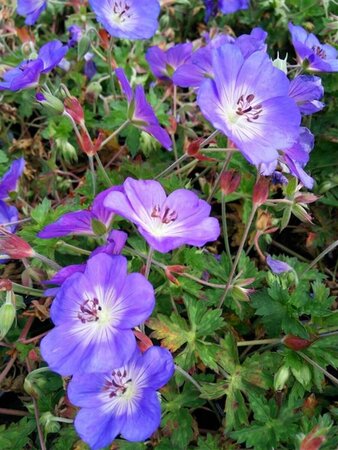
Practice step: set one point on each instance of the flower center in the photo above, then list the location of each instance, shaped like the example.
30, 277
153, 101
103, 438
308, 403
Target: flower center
246, 108
319, 51
166, 215
118, 384
121, 11
89, 311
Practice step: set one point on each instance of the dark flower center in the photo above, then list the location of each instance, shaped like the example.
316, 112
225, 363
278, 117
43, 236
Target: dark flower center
118, 383
89, 311
246, 108
319, 51
121, 10
166, 216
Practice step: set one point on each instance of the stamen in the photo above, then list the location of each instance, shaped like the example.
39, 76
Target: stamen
245, 108
89, 311
120, 9
118, 384
168, 216
319, 51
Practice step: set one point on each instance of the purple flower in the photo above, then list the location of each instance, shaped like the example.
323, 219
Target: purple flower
277, 266
31, 9
127, 19
307, 90
231, 6
278, 178
8, 215
94, 313
210, 9
115, 243
248, 101
165, 222
316, 56
51, 54
297, 156
90, 66
25, 76
9, 181
91, 222
192, 73
141, 114
75, 35
164, 63
123, 401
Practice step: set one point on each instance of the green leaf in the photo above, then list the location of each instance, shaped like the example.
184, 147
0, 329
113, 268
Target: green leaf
173, 331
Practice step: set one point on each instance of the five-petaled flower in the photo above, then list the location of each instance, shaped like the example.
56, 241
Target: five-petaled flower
165, 222
121, 401
127, 19
248, 101
94, 313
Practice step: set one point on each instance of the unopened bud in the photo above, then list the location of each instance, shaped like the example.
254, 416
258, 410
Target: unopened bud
5, 285
67, 149
50, 423
296, 343
74, 109
230, 181
50, 103
173, 125
301, 213
194, 147
261, 191
281, 377
83, 47
93, 91
12, 246
306, 198
314, 440
7, 314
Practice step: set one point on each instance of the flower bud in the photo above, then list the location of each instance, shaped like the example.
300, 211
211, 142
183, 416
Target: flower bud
51, 104
12, 246
314, 440
67, 149
50, 423
93, 91
230, 181
296, 343
281, 377
7, 314
261, 191
83, 47
5, 285
74, 109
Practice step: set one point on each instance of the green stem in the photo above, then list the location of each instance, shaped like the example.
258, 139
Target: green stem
110, 68
47, 261
116, 132
225, 228
148, 262
19, 289
238, 255
320, 368
259, 342
172, 166
103, 170
92, 171
77, 250
320, 256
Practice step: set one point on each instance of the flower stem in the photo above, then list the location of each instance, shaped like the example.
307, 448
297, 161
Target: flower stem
320, 256
103, 170
79, 251
148, 262
115, 133
259, 342
27, 290
172, 166
218, 179
225, 228
320, 368
47, 261
110, 68
238, 255
93, 174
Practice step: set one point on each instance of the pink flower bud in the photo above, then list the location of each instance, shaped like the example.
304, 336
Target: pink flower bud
12, 246
261, 191
230, 180
74, 109
312, 441
296, 343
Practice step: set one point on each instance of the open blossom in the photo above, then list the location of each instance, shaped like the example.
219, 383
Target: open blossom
84, 222
127, 19
28, 72
31, 9
231, 6
165, 222
163, 64
121, 401
141, 113
307, 91
199, 66
94, 313
248, 101
317, 57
